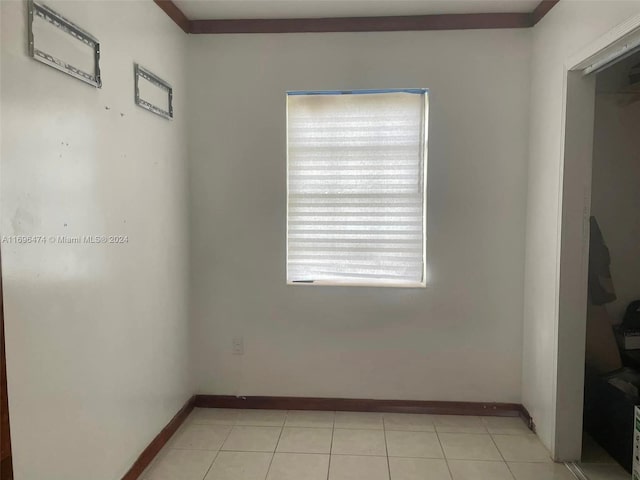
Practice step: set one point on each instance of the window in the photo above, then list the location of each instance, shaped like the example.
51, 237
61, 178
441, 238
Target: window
356, 164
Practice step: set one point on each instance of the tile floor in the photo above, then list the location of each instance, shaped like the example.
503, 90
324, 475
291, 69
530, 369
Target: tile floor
597, 464
223, 444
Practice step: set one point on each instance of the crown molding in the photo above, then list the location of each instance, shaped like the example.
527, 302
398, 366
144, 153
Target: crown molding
175, 14
541, 10
471, 21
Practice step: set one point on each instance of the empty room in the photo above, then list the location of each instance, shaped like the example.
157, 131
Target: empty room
320, 239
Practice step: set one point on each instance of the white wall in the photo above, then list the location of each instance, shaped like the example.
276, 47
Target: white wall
459, 339
567, 29
615, 198
97, 336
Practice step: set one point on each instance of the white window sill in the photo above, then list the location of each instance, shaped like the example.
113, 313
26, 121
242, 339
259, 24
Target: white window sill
328, 283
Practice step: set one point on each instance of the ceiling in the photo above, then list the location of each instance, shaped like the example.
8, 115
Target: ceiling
251, 9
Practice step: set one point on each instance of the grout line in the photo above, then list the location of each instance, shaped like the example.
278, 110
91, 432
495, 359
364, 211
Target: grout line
303, 453
199, 449
333, 429
340, 455
354, 455
276, 447
314, 428
418, 458
386, 447
493, 440
361, 429
256, 425
444, 455
214, 461
195, 422
255, 451
270, 463
218, 452
382, 455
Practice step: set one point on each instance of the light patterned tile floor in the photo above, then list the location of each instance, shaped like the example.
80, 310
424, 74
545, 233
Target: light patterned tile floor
225, 444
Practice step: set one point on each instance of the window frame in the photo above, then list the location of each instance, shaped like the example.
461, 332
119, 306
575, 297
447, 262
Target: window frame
425, 148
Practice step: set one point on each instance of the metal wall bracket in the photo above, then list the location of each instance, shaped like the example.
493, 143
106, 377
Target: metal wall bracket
36, 10
141, 72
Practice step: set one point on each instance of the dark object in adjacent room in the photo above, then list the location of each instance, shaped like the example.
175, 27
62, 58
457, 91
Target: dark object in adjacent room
631, 319
601, 289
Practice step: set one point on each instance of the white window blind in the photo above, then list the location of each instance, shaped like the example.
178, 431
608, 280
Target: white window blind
356, 187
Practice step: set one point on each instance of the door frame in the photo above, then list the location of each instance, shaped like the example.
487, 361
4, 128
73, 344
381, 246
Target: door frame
573, 229
6, 460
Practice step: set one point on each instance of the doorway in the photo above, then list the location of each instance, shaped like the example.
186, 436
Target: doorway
573, 262
612, 365
6, 467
